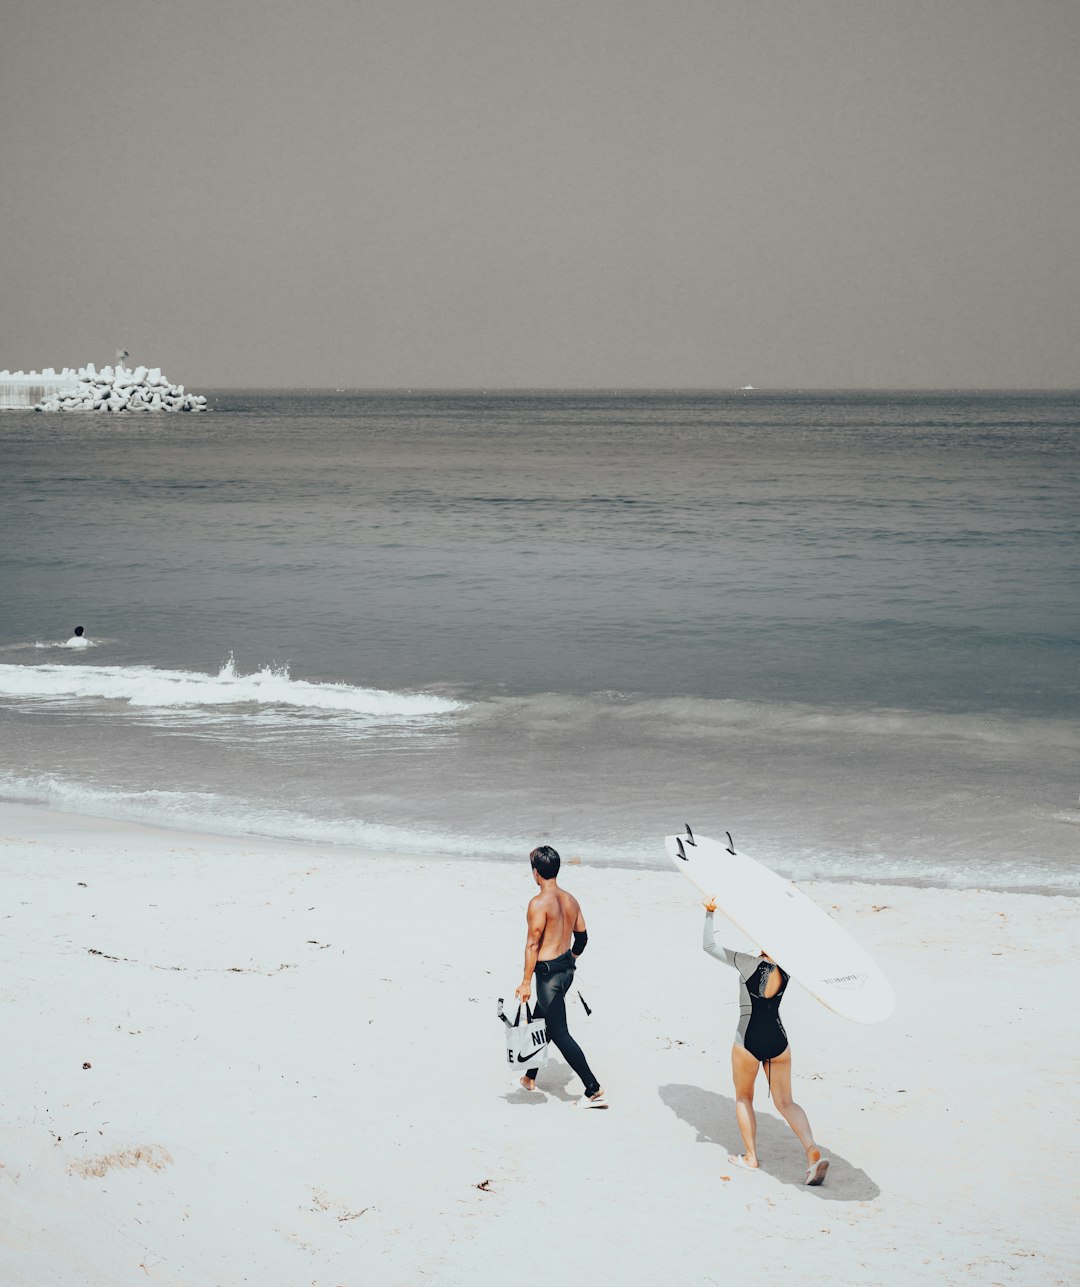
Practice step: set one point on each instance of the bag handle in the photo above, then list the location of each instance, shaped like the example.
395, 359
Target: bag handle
530, 1014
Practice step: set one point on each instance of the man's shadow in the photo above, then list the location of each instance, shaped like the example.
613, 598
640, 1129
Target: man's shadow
552, 1080
779, 1152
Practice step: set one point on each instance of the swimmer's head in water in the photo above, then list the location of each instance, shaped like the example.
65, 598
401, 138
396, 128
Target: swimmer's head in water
78, 631
545, 862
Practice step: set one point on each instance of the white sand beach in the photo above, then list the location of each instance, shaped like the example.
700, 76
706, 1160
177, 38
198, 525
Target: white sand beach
228, 1061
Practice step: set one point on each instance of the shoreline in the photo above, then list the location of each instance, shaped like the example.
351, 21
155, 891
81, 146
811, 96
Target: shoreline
268, 1061
341, 848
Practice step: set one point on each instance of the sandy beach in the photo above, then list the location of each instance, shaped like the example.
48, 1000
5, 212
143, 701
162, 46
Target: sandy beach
230, 1061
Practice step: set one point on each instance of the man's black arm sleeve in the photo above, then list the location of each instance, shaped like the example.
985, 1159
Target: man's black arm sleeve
581, 937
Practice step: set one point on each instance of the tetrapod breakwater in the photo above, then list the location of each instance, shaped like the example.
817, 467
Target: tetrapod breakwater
113, 389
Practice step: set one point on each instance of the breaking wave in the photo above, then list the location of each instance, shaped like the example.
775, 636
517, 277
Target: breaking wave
147, 686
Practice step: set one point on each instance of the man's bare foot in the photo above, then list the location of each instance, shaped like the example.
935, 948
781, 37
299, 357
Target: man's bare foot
744, 1160
528, 1083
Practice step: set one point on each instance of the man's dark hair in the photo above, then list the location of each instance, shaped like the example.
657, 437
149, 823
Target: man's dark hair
78, 630
545, 862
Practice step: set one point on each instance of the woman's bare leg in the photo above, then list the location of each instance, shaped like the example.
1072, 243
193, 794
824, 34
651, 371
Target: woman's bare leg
744, 1071
780, 1077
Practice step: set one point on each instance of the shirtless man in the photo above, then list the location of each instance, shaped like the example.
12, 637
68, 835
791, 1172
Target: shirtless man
554, 916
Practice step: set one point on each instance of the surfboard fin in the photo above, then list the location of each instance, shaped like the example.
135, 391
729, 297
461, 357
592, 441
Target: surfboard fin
689, 835
680, 850
730, 843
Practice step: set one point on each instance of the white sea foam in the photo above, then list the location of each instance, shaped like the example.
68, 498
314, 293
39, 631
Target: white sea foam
147, 686
225, 815
76, 642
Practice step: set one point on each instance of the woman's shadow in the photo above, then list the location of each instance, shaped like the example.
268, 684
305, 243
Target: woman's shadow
780, 1154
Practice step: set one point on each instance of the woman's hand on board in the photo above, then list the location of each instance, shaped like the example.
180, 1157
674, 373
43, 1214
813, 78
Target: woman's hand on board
709, 904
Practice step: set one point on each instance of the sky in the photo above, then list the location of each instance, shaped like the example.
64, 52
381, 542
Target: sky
498, 194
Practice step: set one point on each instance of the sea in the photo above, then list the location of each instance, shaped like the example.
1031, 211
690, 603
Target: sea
843, 627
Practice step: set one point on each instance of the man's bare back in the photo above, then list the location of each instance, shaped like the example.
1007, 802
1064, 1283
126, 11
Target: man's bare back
554, 918
557, 914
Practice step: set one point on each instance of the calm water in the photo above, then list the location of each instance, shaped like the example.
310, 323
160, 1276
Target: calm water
843, 626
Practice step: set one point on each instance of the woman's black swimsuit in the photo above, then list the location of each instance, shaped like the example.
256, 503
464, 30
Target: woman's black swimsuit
760, 1030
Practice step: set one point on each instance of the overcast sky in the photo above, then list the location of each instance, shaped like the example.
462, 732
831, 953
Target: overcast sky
492, 193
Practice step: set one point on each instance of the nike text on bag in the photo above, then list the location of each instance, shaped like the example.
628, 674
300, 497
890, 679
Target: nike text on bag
526, 1038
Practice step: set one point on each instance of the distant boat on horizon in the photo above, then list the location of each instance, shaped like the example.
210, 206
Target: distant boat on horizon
746, 388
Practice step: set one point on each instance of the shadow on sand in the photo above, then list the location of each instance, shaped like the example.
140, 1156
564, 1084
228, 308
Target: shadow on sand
779, 1152
552, 1080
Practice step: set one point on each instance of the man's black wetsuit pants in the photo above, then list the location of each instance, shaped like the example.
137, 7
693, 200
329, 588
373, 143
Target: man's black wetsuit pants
553, 980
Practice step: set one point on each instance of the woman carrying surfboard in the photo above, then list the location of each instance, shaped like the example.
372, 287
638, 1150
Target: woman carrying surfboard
760, 1039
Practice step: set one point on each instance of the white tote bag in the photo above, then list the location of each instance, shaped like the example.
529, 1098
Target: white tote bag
526, 1038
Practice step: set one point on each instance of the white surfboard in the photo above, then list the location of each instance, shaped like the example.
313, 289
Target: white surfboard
794, 930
